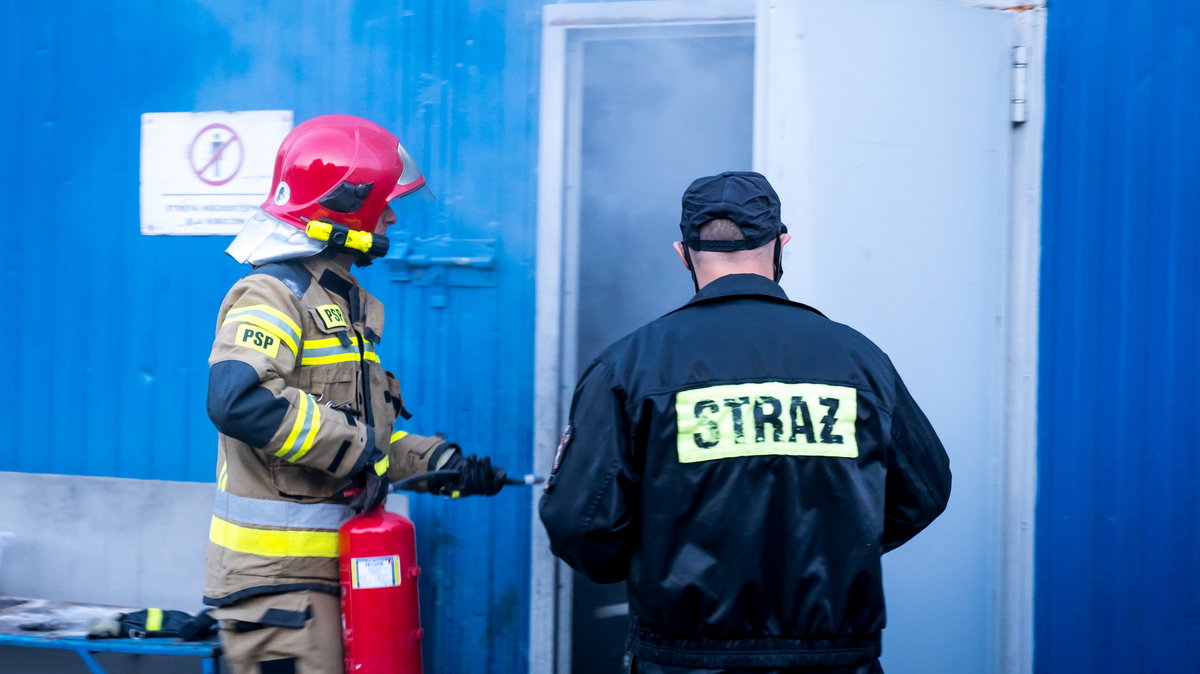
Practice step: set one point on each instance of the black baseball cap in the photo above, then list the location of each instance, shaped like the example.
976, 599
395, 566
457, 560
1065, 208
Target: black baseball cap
745, 197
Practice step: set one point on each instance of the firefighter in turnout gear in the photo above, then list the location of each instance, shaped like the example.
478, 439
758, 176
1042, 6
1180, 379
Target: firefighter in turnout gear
305, 409
743, 462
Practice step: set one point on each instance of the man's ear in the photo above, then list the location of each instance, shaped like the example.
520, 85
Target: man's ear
682, 258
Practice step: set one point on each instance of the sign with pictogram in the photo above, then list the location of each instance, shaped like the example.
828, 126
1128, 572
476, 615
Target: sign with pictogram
203, 173
216, 154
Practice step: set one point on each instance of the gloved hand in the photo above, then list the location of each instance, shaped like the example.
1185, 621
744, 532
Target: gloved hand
475, 475
372, 483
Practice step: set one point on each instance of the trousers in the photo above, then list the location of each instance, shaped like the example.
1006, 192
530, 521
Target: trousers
290, 633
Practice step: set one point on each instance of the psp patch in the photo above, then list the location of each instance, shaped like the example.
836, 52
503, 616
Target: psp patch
767, 418
254, 337
332, 316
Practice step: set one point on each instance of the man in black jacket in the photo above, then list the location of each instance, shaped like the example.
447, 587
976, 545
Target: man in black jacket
743, 462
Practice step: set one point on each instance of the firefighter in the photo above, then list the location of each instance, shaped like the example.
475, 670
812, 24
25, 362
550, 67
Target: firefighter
304, 408
743, 462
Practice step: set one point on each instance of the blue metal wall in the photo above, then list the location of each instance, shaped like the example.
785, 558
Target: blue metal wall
1118, 518
110, 333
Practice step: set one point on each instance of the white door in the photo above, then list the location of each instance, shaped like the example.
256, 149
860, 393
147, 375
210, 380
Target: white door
884, 125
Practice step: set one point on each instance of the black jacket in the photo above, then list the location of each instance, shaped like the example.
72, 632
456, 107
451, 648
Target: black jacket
744, 462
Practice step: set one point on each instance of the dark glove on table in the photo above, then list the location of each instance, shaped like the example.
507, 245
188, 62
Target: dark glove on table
476, 476
372, 483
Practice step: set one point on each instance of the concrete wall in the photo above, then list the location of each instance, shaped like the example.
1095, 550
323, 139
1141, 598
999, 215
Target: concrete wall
105, 540
101, 540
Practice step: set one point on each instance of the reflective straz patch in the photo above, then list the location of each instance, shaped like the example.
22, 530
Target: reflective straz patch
768, 418
332, 315
256, 338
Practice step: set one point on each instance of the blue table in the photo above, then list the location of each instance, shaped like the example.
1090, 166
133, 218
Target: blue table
69, 622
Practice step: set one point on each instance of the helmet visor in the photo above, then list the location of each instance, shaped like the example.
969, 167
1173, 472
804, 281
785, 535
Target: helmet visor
422, 195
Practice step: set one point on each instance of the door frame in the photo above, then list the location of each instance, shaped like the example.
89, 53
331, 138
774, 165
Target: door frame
557, 287
563, 28
1018, 466
557, 291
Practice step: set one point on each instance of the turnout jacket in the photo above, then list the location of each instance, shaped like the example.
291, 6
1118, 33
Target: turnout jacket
300, 399
743, 462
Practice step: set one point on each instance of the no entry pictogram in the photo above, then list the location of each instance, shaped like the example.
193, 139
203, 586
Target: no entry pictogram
216, 154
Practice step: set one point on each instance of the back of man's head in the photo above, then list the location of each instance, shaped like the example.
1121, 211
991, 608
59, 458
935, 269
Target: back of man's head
742, 197
727, 231
731, 224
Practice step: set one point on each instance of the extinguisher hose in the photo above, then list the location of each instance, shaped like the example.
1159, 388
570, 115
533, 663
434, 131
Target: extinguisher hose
411, 483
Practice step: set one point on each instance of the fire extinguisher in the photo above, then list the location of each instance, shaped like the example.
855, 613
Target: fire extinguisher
381, 613
381, 616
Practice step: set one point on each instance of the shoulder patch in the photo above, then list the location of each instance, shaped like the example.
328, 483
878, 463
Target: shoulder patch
290, 274
254, 337
268, 319
332, 316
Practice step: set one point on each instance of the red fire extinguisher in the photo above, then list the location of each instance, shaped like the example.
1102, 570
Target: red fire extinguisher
381, 614
381, 618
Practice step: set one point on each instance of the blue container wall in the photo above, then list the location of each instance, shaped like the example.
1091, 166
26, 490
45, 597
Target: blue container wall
110, 376
1118, 519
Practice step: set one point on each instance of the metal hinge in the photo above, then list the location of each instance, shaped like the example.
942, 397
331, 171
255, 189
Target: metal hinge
441, 262
1020, 80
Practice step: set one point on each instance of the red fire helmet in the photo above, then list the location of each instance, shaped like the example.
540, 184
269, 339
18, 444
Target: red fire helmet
340, 168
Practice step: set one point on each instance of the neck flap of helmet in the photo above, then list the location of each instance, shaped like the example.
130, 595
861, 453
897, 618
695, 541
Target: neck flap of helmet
266, 239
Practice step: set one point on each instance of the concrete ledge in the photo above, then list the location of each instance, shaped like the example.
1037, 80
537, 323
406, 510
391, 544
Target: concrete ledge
105, 540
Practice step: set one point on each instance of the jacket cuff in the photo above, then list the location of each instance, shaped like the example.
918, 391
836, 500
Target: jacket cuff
369, 454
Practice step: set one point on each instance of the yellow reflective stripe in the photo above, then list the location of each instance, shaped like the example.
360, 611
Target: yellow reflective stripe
267, 315
301, 412
325, 360
312, 434
322, 343
272, 543
398, 434
260, 322
381, 466
154, 617
223, 478
267, 309
338, 358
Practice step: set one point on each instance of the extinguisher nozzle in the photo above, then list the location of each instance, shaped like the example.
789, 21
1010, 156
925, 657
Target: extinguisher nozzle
525, 481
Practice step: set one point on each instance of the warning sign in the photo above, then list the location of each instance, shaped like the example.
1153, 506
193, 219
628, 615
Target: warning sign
205, 172
216, 147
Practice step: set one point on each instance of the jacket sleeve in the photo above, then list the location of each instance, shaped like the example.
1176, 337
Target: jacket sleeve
918, 473
255, 352
409, 454
586, 507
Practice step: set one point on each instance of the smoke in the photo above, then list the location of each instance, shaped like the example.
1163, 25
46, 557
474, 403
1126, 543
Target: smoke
659, 108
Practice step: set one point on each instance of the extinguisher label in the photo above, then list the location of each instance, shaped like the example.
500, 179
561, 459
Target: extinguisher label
369, 572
